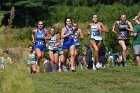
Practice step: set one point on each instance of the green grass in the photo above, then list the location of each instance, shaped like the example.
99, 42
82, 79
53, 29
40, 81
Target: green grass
110, 80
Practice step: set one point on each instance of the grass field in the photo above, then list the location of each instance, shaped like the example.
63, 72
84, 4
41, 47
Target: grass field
110, 80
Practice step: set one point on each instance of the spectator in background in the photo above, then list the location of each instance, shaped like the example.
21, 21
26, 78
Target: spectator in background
102, 55
137, 19
83, 61
31, 62
136, 35
88, 56
5, 60
47, 65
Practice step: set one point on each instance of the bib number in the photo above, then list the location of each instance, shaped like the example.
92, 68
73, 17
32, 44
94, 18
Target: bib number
96, 33
123, 33
40, 42
60, 51
71, 36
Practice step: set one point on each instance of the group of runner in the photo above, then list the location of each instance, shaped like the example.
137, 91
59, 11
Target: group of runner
67, 43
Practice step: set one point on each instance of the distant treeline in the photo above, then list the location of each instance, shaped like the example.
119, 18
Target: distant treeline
28, 12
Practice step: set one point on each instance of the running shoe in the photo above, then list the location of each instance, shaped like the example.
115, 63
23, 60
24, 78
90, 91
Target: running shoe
98, 65
125, 64
72, 69
93, 67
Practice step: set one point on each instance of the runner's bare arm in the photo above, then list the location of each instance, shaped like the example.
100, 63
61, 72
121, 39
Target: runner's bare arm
137, 20
48, 35
131, 29
33, 36
114, 27
81, 34
58, 42
63, 35
103, 28
88, 29
10, 60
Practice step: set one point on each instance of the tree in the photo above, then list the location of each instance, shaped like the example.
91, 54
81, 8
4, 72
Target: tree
25, 6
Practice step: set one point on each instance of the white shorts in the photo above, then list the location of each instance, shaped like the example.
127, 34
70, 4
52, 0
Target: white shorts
136, 49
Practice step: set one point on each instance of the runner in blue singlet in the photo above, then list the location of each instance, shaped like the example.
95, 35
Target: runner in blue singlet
94, 29
39, 37
69, 44
122, 29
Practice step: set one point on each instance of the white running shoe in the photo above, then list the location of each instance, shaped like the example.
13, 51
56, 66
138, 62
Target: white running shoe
65, 68
98, 65
93, 67
72, 69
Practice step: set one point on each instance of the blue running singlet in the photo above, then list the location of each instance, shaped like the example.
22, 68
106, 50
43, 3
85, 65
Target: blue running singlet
40, 41
69, 40
60, 50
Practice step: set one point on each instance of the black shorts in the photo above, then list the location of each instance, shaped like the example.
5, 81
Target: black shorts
126, 41
96, 41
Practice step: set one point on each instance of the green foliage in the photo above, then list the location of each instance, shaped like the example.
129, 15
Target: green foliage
15, 79
22, 34
15, 38
29, 3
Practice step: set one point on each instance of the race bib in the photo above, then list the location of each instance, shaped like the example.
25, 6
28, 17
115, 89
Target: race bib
51, 43
96, 33
123, 33
61, 52
40, 42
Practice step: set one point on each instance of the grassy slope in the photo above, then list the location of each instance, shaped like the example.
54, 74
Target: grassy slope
110, 80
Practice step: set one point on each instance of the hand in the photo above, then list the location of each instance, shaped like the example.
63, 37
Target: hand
69, 33
127, 28
133, 34
45, 37
33, 41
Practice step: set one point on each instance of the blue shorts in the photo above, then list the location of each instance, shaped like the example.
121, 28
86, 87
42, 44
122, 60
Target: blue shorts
41, 47
68, 44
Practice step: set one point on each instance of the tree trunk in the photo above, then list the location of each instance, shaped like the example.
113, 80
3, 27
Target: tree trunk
10, 20
26, 17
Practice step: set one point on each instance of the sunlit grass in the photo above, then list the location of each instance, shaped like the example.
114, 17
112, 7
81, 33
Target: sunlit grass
110, 80
15, 79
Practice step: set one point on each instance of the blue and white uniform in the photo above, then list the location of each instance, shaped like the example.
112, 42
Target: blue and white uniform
31, 59
40, 41
52, 42
95, 33
3, 63
69, 40
77, 39
60, 50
